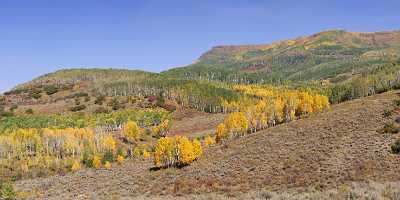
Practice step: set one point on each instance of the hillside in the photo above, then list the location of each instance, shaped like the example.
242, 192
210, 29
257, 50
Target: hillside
312, 155
320, 56
260, 113
344, 65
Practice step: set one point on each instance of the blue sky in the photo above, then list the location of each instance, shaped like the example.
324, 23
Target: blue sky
41, 36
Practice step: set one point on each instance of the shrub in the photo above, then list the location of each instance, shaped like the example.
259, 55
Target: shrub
77, 108
50, 89
29, 111
120, 159
101, 110
107, 165
87, 159
80, 94
387, 113
396, 102
115, 104
13, 108
35, 93
99, 100
396, 147
390, 128
6, 114
7, 191
108, 157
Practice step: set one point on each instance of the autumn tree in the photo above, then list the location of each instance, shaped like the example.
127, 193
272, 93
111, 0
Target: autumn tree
174, 151
208, 141
221, 133
131, 131
236, 123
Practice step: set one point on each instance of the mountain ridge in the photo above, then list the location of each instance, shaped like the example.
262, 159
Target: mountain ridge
258, 59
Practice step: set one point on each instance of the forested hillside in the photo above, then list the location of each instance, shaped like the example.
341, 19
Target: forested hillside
339, 64
321, 56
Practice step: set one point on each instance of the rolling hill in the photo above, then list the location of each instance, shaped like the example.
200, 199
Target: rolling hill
314, 155
90, 133
343, 65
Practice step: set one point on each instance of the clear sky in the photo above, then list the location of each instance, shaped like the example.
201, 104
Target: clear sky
41, 36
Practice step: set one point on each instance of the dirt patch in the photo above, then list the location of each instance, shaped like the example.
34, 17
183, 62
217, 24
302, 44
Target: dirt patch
194, 124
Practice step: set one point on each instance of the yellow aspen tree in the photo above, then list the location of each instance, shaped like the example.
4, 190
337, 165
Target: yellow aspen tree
146, 154
109, 143
131, 131
96, 162
220, 133
237, 123
178, 150
164, 152
305, 105
279, 114
325, 102
185, 150
76, 166
197, 149
208, 141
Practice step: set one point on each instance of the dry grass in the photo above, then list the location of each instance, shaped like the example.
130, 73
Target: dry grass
312, 158
194, 124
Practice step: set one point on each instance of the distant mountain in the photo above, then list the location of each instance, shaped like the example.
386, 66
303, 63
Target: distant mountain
320, 56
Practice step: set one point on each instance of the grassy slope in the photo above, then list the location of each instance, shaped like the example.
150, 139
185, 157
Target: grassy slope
319, 56
322, 151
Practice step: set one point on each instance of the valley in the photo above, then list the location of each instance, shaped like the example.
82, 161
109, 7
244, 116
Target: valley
315, 117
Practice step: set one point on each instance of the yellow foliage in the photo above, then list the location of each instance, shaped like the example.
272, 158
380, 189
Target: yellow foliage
274, 105
186, 150
208, 141
146, 154
236, 123
131, 131
96, 162
120, 159
76, 166
164, 152
109, 143
107, 165
198, 151
136, 152
162, 129
178, 150
221, 133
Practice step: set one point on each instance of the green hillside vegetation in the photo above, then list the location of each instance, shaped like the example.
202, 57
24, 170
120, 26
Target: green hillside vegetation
320, 56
